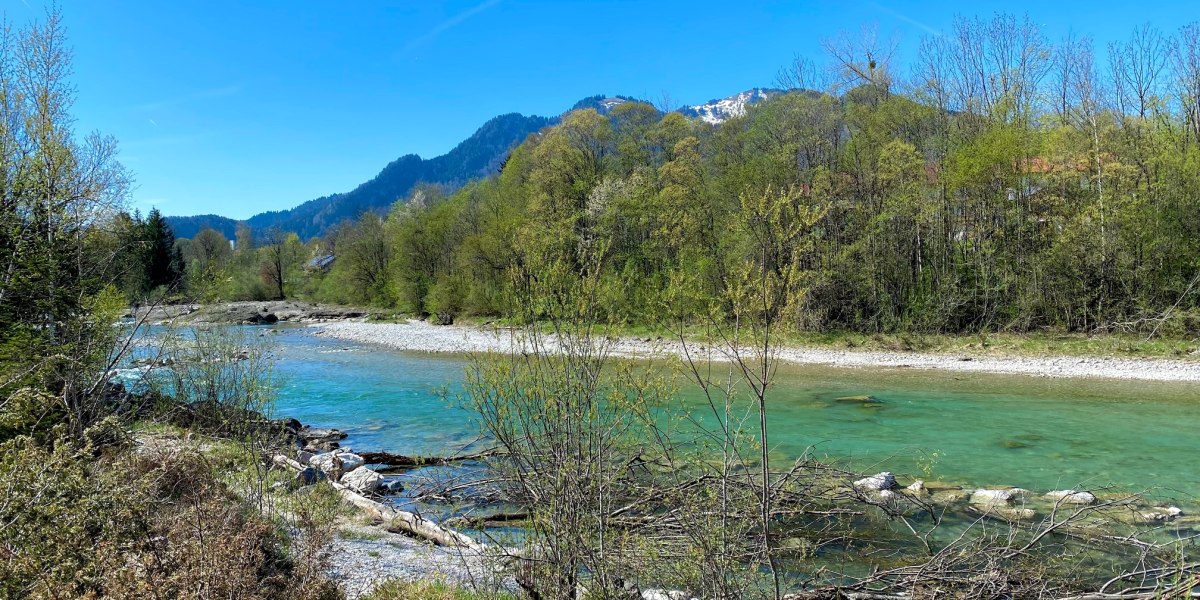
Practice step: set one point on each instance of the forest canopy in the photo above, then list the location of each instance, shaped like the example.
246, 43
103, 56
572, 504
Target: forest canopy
1001, 181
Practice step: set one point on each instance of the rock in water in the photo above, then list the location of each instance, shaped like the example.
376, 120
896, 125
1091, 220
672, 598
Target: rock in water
321, 433
337, 463
877, 483
858, 399
391, 486
1071, 497
362, 480
992, 497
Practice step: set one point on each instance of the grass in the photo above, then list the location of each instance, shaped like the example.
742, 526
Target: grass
1037, 344
360, 534
396, 589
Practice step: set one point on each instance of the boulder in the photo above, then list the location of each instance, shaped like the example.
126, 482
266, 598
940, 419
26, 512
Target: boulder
948, 497
1147, 516
309, 476
917, 488
1071, 497
1002, 496
304, 456
878, 482
867, 402
1173, 511
362, 480
391, 486
1010, 513
318, 446
337, 463
443, 318
321, 433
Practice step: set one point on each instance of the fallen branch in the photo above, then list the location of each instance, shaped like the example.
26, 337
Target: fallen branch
400, 460
396, 520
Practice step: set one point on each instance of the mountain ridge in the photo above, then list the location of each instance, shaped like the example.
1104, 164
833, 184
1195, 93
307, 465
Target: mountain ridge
479, 155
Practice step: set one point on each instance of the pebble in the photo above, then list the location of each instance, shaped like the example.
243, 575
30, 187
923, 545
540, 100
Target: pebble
424, 337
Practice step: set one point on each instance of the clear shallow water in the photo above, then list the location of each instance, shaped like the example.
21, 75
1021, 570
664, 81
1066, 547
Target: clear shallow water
1035, 433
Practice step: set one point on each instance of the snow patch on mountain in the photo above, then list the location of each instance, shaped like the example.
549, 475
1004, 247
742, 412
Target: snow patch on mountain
718, 111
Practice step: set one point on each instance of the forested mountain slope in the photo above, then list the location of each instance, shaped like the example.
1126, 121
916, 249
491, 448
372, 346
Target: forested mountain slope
477, 156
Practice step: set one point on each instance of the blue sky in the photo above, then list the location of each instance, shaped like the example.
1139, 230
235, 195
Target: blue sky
239, 107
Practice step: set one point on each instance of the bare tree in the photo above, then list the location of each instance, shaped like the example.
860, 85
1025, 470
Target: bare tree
1137, 68
802, 74
862, 59
1186, 63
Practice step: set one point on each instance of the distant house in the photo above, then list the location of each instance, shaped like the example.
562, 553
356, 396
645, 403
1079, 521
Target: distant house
320, 263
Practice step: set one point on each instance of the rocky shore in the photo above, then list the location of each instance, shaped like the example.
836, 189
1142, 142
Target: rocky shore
424, 337
247, 313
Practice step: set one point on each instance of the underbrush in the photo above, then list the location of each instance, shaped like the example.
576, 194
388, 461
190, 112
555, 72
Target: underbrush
396, 589
124, 521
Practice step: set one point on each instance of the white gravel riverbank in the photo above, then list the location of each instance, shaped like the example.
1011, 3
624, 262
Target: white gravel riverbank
423, 337
365, 556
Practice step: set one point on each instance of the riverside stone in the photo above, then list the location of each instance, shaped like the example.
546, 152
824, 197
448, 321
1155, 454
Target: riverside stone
878, 482
362, 480
1002, 496
1071, 497
337, 463
309, 476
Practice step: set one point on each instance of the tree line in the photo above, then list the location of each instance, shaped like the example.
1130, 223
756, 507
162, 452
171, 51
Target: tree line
999, 182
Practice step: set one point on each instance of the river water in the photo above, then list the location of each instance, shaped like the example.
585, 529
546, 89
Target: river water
1036, 433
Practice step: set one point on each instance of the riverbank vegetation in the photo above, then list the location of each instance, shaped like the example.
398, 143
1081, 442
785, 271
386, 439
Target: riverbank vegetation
593, 224
88, 510
625, 490
1000, 181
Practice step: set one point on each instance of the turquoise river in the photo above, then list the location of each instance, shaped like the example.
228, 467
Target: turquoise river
1036, 433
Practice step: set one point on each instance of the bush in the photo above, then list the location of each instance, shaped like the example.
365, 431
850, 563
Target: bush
150, 523
397, 589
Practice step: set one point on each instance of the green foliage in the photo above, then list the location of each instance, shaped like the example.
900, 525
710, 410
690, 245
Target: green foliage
399, 589
154, 523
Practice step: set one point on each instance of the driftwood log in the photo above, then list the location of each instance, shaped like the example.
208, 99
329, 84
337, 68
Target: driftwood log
399, 460
393, 519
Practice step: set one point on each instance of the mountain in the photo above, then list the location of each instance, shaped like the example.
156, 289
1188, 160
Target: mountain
477, 156
720, 110
604, 104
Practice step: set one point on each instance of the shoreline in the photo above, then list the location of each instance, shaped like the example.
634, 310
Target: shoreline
419, 336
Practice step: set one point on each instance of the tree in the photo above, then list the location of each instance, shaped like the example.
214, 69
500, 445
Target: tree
280, 256
162, 263
54, 301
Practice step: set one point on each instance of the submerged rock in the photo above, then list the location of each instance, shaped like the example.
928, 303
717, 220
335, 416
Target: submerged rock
948, 497
321, 433
851, 399
391, 486
876, 483
860, 401
1002, 496
1146, 516
1008, 513
362, 480
917, 488
1071, 497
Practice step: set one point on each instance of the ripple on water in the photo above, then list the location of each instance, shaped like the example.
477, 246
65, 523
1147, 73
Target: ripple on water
1036, 433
